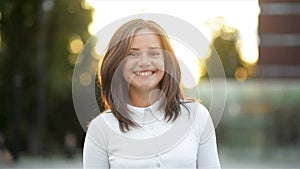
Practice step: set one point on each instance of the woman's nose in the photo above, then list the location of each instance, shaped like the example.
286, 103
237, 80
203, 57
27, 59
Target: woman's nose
144, 59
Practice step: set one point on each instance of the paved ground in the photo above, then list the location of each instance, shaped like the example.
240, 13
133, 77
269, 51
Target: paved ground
59, 162
45, 163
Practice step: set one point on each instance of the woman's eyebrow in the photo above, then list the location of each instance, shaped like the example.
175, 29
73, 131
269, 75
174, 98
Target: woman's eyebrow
148, 48
134, 49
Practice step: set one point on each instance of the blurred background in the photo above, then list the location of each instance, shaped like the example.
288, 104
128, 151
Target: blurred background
258, 42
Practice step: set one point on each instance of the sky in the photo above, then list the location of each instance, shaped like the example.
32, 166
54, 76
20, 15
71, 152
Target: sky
242, 15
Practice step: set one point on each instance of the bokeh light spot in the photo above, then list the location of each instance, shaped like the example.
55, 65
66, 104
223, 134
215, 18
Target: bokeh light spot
249, 54
241, 74
75, 45
85, 79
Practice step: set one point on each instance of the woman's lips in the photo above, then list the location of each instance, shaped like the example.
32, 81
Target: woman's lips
145, 73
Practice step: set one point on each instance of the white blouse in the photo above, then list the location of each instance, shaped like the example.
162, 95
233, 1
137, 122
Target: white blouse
188, 142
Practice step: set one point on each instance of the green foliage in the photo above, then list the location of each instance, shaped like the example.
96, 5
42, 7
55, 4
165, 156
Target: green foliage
24, 24
67, 19
225, 45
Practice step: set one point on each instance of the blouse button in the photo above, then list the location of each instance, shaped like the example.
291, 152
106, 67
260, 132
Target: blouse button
158, 161
158, 164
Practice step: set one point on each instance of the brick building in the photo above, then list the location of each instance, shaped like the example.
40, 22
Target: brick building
279, 33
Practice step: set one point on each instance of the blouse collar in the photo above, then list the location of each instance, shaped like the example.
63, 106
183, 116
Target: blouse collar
149, 114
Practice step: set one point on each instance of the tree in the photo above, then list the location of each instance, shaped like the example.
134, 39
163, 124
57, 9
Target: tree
224, 42
36, 49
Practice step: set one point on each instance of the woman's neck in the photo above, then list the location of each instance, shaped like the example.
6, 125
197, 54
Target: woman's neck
144, 99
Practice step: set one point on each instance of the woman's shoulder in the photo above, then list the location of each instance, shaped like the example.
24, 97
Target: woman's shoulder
102, 125
201, 116
101, 116
104, 118
194, 106
195, 109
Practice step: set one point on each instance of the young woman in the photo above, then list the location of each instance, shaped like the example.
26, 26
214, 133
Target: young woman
148, 122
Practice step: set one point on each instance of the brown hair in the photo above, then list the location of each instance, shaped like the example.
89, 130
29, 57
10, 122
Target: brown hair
115, 88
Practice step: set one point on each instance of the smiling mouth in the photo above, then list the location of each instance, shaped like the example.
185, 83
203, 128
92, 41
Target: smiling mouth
144, 73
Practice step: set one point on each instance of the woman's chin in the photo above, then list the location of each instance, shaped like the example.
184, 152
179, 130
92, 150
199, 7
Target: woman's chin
144, 87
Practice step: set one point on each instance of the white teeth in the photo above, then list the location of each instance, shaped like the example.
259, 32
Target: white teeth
144, 73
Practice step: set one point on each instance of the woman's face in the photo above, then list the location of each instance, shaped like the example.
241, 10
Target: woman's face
144, 65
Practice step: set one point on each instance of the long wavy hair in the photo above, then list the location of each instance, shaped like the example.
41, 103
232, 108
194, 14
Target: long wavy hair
114, 88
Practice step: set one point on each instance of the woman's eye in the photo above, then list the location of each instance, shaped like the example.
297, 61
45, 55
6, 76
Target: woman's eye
154, 53
133, 54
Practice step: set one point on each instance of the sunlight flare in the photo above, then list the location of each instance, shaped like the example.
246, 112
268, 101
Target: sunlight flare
242, 15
